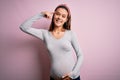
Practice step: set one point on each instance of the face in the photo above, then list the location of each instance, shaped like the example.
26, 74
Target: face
60, 17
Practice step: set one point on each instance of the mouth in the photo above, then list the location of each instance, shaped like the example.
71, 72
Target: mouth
58, 21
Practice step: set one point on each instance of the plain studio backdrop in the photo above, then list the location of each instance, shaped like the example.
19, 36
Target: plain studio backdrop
96, 22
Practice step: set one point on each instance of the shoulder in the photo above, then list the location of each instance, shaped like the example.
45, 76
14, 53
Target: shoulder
45, 32
72, 33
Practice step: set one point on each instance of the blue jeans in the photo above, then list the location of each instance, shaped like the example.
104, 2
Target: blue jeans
78, 78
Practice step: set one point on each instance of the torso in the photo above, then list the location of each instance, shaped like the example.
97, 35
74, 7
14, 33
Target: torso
60, 49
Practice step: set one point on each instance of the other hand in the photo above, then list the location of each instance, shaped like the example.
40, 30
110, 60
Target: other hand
47, 14
66, 78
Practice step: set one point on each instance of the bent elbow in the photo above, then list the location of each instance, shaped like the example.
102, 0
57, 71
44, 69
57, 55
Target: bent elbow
80, 55
22, 27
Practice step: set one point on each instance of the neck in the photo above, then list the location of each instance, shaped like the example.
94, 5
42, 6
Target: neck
59, 29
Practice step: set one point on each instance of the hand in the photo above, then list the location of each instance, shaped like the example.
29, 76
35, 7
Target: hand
66, 78
47, 14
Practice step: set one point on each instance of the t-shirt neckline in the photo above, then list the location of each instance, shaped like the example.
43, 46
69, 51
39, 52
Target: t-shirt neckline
58, 38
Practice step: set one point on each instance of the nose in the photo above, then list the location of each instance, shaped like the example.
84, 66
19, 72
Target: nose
59, 17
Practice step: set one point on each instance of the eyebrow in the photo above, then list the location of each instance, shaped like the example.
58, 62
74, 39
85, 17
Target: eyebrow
60, 13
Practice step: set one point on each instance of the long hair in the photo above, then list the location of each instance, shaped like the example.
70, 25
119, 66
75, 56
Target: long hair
67, 25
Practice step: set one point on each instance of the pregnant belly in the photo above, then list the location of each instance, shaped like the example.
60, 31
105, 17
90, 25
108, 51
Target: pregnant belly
62, 65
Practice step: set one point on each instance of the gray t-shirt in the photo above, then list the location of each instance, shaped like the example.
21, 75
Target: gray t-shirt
61, 50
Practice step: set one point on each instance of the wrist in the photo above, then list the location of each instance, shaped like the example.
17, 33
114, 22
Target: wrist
42, 14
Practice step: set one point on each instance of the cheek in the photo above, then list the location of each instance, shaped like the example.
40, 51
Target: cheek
55, 16
65, 20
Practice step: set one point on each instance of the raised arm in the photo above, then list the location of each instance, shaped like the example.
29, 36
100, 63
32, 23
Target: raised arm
76, 70
26, 26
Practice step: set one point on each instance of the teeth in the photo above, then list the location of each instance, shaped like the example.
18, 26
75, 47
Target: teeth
58, 21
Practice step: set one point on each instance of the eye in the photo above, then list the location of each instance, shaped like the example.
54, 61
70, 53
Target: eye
64, 16
57, 13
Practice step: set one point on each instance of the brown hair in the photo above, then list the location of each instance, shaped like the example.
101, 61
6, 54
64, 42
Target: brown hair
67, 25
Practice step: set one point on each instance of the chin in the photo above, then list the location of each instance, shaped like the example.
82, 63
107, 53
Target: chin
58, 25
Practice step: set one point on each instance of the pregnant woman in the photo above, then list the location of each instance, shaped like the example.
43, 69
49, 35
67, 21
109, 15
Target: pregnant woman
59, 40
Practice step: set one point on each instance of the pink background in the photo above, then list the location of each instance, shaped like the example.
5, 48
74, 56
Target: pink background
96, 22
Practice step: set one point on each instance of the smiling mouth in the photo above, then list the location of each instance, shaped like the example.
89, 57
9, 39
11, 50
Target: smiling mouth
58, 21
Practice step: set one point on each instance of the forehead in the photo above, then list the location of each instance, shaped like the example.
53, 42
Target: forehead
62, 11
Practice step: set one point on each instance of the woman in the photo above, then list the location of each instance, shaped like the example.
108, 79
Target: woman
59, 40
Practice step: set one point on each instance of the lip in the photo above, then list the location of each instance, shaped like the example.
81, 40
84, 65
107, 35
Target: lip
58, 21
